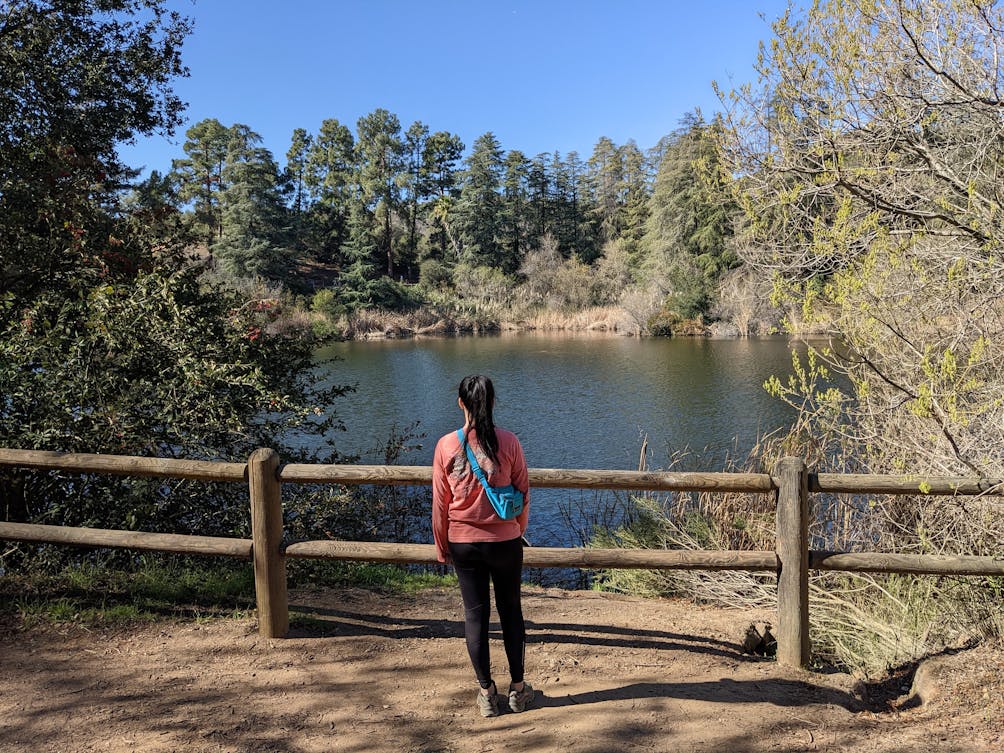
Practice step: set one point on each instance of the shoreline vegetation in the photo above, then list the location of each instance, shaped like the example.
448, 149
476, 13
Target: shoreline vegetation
610, 320
307, 308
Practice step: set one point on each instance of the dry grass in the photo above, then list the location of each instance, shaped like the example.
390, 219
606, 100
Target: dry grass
368, 324
868, 623
611, 319
437, 321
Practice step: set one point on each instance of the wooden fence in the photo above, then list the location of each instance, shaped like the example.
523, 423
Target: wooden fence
791, 484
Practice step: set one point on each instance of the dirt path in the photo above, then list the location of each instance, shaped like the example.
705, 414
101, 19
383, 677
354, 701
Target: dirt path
367, 672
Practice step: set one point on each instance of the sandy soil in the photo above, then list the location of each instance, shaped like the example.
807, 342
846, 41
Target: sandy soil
370, 672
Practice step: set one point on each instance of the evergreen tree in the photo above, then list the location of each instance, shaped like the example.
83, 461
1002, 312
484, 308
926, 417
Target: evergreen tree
200, 175
415, 140
515, 216
605, 177
332, 178
539, 197
634, 190
254, 240
687, 239
479, 210
296, 170
571, 227
439, 181
362, 246
380, 150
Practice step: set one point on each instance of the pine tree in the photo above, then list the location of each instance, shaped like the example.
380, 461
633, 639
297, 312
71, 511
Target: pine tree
604, 178
296, 169
332, 175
253, 241
362, 246
380, 150
479, 210
539, 198
515, 215
200, 175
634, 190
439, 182
415, 140
686, 245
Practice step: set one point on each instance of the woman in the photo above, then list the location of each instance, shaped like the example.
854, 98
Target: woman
482, 546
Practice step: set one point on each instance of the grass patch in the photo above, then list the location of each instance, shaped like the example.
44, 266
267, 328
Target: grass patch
369, 575
90, 595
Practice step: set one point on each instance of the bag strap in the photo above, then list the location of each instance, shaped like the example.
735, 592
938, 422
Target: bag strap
489, 491
474, 463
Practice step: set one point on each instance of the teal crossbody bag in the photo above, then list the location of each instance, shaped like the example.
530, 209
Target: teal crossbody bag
506, 500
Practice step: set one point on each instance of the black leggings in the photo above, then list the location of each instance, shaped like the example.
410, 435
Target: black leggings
502, 563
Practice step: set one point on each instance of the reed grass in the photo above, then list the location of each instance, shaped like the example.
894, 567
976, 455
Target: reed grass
593, 319
865, 623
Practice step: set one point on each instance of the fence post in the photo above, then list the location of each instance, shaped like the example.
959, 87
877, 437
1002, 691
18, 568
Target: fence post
266, 536
792, 481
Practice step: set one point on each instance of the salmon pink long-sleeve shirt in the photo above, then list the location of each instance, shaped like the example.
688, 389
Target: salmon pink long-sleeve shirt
461, 511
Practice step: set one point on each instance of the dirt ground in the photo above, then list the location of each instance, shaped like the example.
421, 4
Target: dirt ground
371, 672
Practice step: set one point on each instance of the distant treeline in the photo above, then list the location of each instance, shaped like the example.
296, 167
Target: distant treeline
381, 206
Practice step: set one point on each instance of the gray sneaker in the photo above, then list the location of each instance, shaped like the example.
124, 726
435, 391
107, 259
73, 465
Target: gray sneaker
488, 705
520, 700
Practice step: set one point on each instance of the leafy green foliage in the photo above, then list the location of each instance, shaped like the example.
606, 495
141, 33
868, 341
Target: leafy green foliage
111, 341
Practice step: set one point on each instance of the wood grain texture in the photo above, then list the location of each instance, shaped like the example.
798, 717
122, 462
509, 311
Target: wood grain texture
793, 648
124, 465
539, 477
917, 564
103, 537
863, 483
266, 534
544, 556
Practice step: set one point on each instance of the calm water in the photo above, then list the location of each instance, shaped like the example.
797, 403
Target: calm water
574, 402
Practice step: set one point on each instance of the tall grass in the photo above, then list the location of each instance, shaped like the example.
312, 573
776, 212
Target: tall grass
866, 623
593, 319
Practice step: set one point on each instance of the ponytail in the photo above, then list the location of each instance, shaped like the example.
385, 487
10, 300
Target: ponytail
477, 393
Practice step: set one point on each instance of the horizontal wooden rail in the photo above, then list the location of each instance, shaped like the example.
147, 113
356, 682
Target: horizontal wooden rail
865, 483
158, 542
655, 559
639, 480
915, 564
391, 475
539, 478
659, 559
124, 465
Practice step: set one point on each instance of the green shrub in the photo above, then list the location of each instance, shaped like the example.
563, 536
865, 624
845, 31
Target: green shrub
434, 275
326, 302
397, 296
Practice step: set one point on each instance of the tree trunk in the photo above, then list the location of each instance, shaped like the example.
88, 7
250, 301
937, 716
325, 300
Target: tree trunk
390, 245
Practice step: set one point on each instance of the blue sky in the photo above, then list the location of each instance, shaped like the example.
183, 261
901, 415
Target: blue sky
545, 76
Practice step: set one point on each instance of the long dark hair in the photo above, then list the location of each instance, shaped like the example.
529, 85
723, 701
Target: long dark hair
477, 393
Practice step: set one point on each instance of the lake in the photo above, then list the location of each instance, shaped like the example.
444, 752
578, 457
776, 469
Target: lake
574, 401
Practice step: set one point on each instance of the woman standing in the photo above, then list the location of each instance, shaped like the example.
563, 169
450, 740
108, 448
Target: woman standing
482, 546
